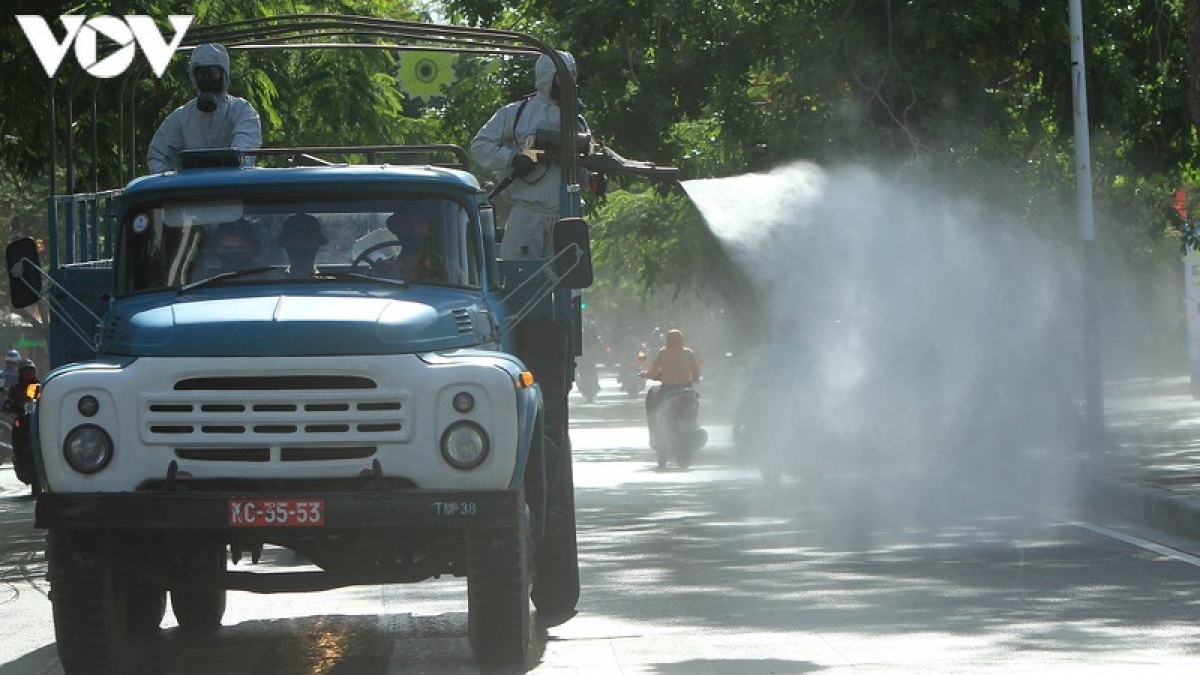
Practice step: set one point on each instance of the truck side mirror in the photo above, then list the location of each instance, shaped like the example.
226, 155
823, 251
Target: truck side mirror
572, 253
24, 272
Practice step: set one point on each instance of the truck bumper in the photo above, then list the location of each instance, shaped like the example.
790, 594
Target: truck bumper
244, 512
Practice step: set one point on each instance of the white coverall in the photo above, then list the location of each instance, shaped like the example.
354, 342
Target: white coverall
234, 123
533, 198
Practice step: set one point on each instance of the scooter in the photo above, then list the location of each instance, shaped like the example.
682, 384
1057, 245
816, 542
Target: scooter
587, 380
630, 375
675, 433
20, 401
784, 441
22, 450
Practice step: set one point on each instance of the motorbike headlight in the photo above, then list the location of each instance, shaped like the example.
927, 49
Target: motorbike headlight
88, 448
464, 445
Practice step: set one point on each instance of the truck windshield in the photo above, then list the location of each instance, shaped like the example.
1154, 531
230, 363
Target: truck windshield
418, 240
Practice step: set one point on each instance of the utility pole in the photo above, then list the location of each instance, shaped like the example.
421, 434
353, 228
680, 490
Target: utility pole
1093, 378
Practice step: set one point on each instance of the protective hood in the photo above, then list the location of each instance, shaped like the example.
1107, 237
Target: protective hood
211, 55
544, 72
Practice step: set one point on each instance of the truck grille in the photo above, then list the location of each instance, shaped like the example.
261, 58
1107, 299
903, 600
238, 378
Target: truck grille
462, 319
301, 417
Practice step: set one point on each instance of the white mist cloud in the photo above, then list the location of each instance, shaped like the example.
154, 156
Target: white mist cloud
908, 331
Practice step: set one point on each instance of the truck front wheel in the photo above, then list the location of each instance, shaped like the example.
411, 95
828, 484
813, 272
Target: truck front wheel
499, 623
199, 609
147, 605
89, 601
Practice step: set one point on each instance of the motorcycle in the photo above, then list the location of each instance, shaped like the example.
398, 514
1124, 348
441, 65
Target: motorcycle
675, 433
20, 402
22, 452
587, 380
630, 374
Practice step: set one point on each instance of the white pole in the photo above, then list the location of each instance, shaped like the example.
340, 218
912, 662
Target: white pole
1093, 379
1083, 166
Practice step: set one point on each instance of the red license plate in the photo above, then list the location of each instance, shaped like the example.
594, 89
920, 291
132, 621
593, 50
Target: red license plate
276, 512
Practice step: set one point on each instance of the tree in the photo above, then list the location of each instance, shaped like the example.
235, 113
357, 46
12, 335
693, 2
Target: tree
976, 95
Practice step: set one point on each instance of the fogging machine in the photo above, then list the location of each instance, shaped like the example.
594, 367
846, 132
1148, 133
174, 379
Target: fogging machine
595, 156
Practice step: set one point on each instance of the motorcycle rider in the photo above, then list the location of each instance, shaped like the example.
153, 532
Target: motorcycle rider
675, 366
8, 376
214, 119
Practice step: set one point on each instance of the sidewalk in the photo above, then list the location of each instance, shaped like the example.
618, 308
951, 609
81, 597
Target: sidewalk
1150, 471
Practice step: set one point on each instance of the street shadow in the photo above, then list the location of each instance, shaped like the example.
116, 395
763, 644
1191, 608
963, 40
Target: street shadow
772, 666
844, 557
34, 663
330, 644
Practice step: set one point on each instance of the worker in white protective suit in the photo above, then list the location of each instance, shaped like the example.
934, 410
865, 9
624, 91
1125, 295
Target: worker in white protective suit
214, 119
532, 198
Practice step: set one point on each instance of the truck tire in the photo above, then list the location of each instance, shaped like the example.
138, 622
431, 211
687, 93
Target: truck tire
22, 457
88, 601
556, 580
200, 610
499, 574
147, 605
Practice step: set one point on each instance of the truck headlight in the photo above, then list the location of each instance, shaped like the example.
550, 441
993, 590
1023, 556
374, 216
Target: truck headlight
464, 445
463, 402
88, 448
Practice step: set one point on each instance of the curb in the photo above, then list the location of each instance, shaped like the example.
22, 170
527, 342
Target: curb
1147, 504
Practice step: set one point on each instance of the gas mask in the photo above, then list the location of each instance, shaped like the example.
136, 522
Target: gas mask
236, 260
236, 253
410, 243
556, 93
210, 80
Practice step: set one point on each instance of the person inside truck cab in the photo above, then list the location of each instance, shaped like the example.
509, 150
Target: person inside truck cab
234, 245
301, 237
418, 259
214, 119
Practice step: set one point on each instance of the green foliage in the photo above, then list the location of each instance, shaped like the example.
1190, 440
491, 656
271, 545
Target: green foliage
976, 92
646, 243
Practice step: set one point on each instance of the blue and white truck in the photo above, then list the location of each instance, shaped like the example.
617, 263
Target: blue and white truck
387, 429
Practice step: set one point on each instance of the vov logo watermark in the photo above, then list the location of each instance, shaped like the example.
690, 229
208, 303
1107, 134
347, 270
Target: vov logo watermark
128, 34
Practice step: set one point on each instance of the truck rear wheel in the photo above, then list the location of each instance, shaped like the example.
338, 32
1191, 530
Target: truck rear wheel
88, 600
556, 579
499, 622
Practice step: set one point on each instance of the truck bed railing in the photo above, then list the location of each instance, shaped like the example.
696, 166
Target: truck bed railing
61, 300
540, 284
79, 227
374, 154
313, 31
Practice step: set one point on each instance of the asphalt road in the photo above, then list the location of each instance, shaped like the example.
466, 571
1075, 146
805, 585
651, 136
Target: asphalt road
707, 571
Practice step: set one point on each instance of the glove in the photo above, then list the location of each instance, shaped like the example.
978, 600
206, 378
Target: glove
598, 184
522, 165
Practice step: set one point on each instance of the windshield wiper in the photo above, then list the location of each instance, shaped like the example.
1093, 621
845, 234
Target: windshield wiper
224, 276
360, 275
